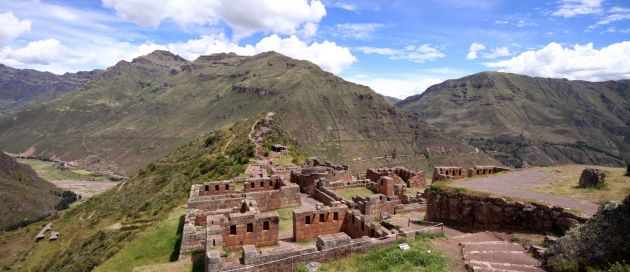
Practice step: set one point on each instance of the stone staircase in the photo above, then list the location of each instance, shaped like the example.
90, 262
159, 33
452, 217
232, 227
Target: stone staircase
485, 252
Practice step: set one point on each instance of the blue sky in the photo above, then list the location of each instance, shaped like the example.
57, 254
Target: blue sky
398, 48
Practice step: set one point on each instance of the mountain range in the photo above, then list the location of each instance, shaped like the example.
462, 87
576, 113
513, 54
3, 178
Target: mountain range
20, 88
136, 112
542, 121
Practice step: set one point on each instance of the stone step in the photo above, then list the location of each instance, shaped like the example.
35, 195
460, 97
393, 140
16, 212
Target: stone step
510, 257
475, 237
491, 246
492, 266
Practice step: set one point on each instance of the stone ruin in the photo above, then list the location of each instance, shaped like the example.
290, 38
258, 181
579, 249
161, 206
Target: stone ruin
591, 178
441, 173
399, 174
221, 216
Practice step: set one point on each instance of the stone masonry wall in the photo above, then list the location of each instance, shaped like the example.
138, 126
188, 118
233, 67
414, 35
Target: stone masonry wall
468, 210
446, 173
250, 228
399, 174
312, 222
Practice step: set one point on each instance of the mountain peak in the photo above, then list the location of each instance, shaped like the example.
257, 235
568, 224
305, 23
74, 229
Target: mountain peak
161, 57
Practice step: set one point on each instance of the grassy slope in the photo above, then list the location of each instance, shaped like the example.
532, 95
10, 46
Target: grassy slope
543, 121
23, 195
87, 236
158, 244
139, 111
136, 212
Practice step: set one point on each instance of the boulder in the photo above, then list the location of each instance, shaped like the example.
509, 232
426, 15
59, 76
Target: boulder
591, 178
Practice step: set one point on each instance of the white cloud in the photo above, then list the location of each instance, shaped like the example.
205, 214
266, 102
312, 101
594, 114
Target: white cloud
524, 23
37, 52
243, 16
399, 87
613, 15
345, 6
328, 55
473, 49
357, 31
405, 84
497, 52
419, 54
582, 62
571, 8
478, 49
11, 27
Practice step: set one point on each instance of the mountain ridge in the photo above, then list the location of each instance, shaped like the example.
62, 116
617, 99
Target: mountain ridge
537, 118
138, 111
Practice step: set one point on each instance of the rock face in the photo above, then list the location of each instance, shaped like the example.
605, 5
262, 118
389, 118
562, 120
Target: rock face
592, 178
604, 239
628, 170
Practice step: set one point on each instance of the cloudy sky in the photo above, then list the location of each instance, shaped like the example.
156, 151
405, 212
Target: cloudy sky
398, 48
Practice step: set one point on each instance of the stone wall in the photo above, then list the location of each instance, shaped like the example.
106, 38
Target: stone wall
373, 205
287, 196
312, 222
399, 174
357, 225
448, 172
485, 170
487, 212
249, 228
262, 184
328, 247
308, 176
217, 188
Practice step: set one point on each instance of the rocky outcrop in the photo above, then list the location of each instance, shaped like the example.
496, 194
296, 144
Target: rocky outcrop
592, 178
475, 211
604, 239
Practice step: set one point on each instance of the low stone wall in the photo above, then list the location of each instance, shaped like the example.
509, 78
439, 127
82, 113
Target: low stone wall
328, 248
372, 205
487, 212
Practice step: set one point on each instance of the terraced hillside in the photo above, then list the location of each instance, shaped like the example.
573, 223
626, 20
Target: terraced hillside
138, 111
542, 121
21, 88
24, 196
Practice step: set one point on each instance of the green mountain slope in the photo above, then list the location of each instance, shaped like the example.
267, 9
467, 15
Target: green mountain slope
138, 111
94, 231
23, 195
20, 88
392, 100
539, 120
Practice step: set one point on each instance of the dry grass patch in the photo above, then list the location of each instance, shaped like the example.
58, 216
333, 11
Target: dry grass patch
616, 185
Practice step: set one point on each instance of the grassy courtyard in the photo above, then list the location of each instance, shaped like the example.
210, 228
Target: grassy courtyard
421, 257
350, 192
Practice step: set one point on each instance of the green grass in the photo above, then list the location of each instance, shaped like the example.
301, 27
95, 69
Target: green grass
286, 220
158, 244
421, 257
350, 192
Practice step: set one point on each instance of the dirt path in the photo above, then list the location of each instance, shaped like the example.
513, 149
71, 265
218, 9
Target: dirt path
521, 184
